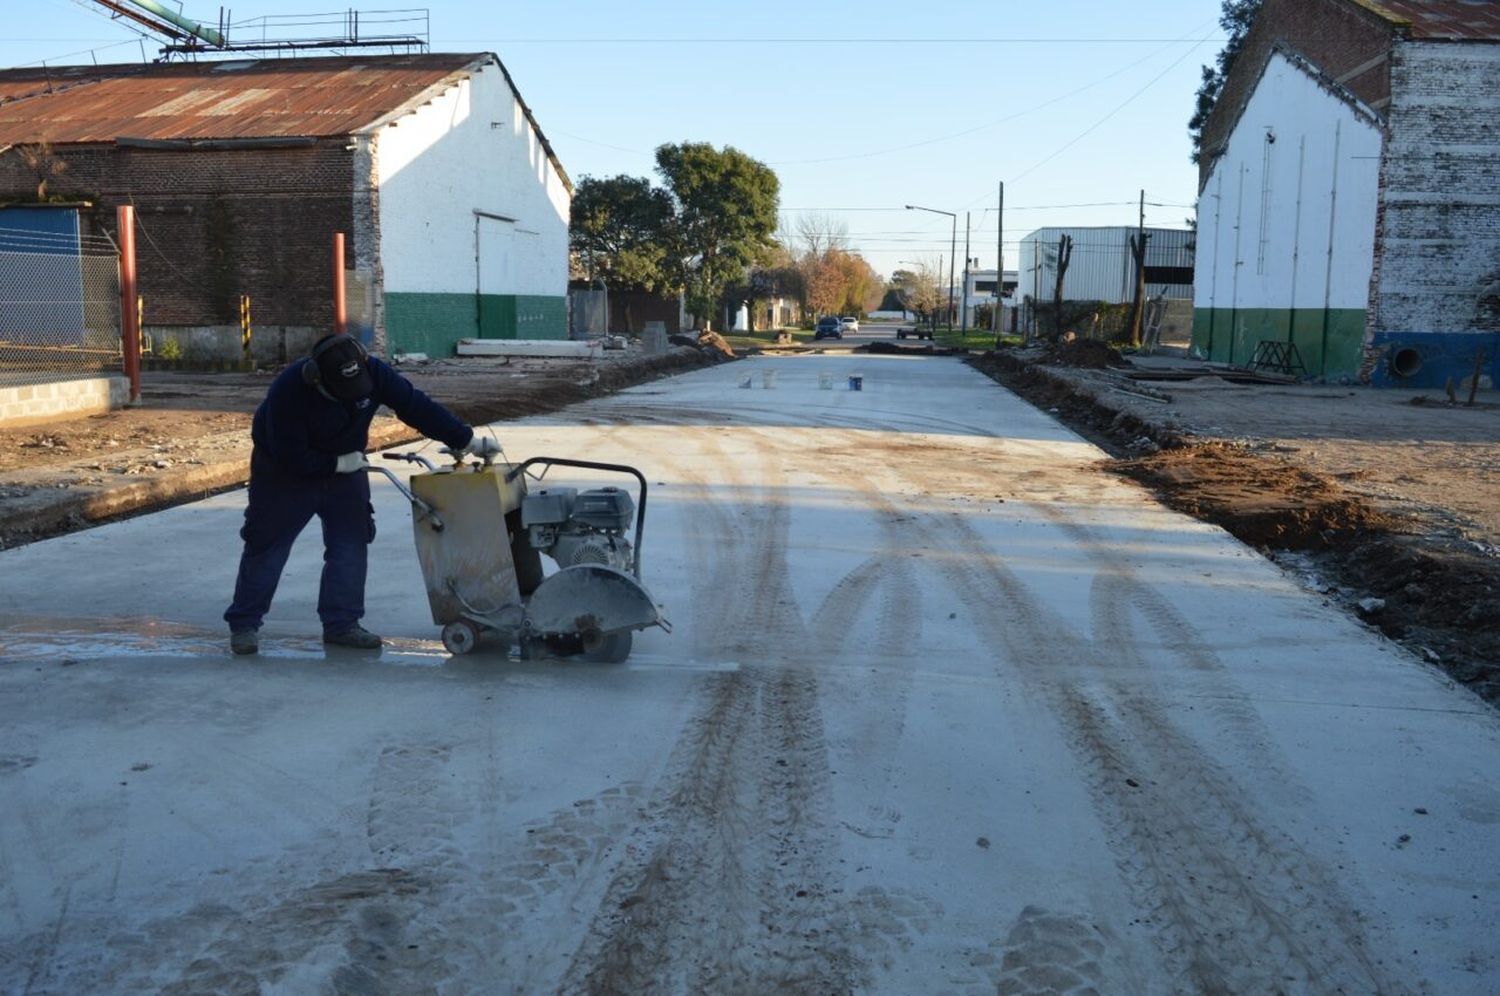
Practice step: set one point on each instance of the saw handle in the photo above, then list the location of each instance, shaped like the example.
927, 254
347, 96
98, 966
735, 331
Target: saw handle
412, 458
613, 468
427, 511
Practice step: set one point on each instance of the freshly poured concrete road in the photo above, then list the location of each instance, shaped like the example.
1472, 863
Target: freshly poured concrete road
947, 709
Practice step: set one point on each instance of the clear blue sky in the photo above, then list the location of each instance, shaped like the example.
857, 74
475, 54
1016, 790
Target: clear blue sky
860, 108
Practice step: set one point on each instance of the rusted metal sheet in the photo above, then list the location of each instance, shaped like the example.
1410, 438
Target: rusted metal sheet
1438, 20
216, 100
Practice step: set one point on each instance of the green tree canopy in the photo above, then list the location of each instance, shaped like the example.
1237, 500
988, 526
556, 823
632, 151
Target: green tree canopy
620, 230
726, 213
1236, 18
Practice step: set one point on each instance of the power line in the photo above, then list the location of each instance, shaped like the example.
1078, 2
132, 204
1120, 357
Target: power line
1002, 120
1008, 207
1120, 107
663, 40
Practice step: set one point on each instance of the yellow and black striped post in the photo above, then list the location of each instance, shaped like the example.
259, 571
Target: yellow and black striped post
245, 328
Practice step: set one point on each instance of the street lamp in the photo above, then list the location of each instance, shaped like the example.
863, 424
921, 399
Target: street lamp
952, 250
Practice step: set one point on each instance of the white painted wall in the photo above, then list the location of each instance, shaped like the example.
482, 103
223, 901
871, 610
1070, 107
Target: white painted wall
471, 149
1266, 214
1441, 244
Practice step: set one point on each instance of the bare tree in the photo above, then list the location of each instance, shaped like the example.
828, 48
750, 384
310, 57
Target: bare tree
43, 164
1138, 254
1064, 257
816, 234
920, 288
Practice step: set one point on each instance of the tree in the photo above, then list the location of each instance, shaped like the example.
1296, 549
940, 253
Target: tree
726, 210
43, 164
819, 233
920, 289
1064, 257
824, 280
1236, 18
619, 231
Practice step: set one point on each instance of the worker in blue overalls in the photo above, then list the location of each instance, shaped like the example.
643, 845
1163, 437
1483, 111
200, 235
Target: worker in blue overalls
310, 433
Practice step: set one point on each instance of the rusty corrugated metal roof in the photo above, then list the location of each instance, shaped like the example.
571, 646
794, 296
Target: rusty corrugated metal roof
263, 98
1441, 20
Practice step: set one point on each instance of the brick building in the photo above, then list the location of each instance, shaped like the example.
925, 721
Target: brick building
1350, 191
455, 207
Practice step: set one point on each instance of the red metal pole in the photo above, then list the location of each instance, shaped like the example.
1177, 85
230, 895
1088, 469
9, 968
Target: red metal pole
130, 319
340, 317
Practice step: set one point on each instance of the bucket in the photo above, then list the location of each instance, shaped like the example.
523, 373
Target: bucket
856, 382
825, 381
768, 378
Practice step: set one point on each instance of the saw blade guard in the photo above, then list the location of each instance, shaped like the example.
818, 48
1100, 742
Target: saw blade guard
592, 601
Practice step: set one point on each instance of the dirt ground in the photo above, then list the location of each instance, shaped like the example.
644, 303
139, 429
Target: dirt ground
191, 434
1384, 501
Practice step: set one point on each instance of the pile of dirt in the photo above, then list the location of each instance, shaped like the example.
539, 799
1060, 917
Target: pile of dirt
1436, 595
881, 348
1261, 501
1090, 353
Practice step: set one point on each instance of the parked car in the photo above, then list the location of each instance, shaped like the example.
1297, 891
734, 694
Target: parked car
850, 323
828, 328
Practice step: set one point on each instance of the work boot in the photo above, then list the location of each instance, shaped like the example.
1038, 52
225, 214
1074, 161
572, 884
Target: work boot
244, 641
355, 636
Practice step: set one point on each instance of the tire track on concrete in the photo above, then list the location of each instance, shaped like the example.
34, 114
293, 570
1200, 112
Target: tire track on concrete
1117, 591
368, 930
1230, 892
1217, 806
1241, 724
881, 923
1223, 893
727, 887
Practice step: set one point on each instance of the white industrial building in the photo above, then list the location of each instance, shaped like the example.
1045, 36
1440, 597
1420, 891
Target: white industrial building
472, 214
1349, 213
1101, 267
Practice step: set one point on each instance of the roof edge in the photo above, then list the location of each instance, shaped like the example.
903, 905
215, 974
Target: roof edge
1300, 62
476, 63
1388, 16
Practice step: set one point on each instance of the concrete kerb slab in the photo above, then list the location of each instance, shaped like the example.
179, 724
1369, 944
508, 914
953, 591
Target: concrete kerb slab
51, 511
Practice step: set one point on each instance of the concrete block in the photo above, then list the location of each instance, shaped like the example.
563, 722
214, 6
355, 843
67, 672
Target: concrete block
558, 348
60, 399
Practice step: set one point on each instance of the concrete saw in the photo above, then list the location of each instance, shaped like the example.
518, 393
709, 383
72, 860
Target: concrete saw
482, 528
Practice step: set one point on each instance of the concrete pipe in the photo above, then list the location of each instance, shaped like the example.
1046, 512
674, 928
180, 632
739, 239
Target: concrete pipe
1406, 361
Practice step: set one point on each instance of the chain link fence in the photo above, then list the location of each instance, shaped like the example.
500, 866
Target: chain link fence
59, 305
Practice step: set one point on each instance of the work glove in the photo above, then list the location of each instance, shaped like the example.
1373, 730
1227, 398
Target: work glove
349, 463
484, 447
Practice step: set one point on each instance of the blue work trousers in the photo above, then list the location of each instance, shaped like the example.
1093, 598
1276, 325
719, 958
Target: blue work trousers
280, 506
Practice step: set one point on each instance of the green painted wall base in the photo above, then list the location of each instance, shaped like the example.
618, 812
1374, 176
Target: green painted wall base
1330, 342
433, 323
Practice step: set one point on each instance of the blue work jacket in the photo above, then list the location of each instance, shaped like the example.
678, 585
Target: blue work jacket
300, 432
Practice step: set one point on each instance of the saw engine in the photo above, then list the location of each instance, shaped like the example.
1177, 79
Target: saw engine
580, 527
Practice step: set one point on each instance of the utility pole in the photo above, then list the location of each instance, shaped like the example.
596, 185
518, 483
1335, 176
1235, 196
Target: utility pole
1138, 251
952, 253
999, 262
966, 273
